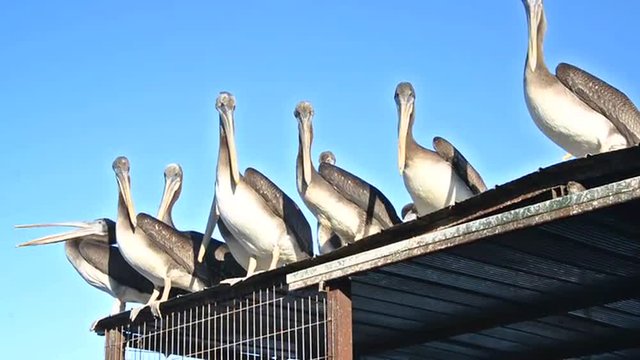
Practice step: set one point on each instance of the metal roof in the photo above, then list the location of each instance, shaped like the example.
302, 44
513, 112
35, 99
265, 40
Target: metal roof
523, 271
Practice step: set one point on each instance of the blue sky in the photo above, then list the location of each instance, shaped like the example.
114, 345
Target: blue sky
84, 82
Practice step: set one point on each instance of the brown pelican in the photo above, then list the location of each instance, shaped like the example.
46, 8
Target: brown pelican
327, 239
90, 250
434, 179
343, 203
579, 112
263, 219
156, 250
220, 264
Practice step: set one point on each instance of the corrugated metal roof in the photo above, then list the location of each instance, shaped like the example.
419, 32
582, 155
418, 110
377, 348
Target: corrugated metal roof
561, 289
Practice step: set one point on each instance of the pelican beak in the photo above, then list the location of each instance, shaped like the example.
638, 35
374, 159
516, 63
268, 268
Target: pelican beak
305, 130
211, 226
124, 183
534, 14
405, 109
84, 229
226, 118
171, 186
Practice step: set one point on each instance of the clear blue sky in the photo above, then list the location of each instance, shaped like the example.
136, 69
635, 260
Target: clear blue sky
83, 82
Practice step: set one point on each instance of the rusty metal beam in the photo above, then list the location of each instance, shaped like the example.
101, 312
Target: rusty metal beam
340, 334
554, 209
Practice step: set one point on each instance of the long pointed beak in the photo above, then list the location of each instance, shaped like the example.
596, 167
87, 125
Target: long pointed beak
125, 190
171, 187
211, 225
229, 130
304, 129
404, 114
534, 20
84, 229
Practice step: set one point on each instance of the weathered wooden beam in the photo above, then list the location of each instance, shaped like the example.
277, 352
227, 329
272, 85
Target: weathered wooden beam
114, 345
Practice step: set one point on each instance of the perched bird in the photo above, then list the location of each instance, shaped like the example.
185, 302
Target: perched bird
92, 252
220, 262
343, 204
579, 112
434, 179
260, 216
156, 250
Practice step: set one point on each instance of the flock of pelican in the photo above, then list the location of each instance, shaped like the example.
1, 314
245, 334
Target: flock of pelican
144, 259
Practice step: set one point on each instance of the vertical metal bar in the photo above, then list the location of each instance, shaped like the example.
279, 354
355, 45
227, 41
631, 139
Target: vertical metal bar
234, 329
217, 336
246, 335
304, 328
266, 321
282, 329
184, 324
173, 331
340, 335
254, 332
274, 330
289, 328
226, 325
317, 323
295, 334
310, 319
260, 300
324, 322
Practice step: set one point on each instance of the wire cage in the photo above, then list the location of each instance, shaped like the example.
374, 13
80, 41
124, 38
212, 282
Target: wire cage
268, 323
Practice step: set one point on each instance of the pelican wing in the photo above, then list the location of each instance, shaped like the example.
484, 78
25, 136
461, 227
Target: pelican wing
283, 206
603, 98
327, 239
460, 165
108, 260
220, 270
176, 244
361, 193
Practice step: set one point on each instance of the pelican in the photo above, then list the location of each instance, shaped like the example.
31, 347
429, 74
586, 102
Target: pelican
156, 250
89, 249
263, 219
220, 264
327, 241
434, 179
579, 112
343, 203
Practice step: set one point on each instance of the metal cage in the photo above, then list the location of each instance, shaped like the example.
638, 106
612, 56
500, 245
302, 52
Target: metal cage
265, 324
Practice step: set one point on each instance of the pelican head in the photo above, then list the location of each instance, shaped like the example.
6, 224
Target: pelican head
405, 99
327, 157
537, 27
121, 168
226, 105
304, 114
100, 230
172, 190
